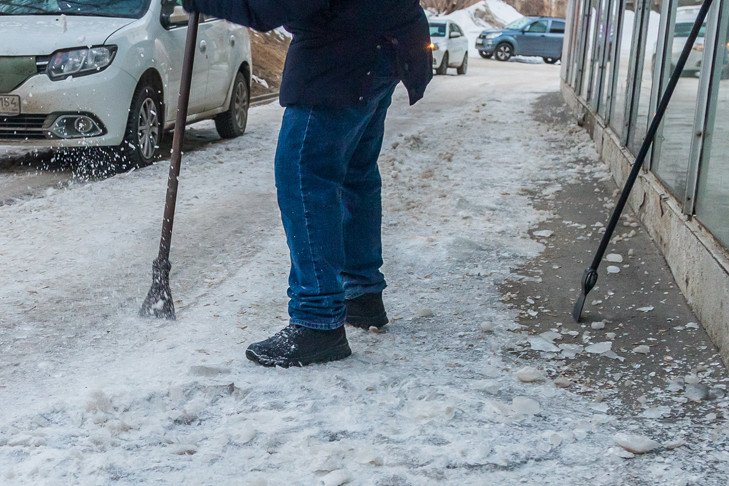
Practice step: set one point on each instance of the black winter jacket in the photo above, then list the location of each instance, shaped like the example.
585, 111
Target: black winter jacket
335, 44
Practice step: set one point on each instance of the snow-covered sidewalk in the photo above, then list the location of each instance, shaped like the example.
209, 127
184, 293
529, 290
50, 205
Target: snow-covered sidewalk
92, 394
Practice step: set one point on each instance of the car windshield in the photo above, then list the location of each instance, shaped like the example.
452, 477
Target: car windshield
518, 24
684, 28
97, 8
437, 29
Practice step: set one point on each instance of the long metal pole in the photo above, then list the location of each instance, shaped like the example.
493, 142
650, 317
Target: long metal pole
589, 277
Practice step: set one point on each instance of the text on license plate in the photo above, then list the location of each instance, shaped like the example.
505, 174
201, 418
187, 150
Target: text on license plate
9, 105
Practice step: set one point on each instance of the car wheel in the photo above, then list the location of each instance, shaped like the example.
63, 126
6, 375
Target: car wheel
443, 68
232, 123
503, 51
144, 129
464, 65
485, 54
550, 60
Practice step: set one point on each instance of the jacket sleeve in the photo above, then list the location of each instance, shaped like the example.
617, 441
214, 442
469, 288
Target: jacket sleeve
261, 15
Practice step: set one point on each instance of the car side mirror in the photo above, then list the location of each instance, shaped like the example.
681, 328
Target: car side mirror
454, 35
177, 17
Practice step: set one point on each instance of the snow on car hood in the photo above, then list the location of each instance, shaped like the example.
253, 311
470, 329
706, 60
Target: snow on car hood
31, 35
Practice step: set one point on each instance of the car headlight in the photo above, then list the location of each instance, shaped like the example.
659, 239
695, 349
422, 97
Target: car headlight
493, 35
79, 62
433, 46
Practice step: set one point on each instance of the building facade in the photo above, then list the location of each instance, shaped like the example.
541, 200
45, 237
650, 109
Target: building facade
617, 59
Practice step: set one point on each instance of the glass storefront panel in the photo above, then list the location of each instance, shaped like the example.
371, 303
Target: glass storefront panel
646, 78
575, 39
677, 132
589, 61
712, 199
601, 44
617, 117
614, 10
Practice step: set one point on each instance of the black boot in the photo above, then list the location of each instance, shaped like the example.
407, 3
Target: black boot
366, 311
299, 346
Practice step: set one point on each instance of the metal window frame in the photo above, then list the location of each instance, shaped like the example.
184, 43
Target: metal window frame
706, 101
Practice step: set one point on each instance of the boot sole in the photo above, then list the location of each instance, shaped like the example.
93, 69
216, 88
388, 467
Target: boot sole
365, 322
339, 352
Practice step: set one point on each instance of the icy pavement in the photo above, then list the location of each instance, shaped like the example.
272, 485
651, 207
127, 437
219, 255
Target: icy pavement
91, 394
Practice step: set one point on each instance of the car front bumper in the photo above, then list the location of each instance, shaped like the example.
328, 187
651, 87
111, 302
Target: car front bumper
437, 57
485, 45
103, 97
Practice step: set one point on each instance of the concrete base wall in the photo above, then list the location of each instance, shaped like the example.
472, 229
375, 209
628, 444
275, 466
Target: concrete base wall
700, 264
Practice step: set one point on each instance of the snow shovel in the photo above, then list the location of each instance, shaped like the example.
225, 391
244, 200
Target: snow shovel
159, 298
589, 278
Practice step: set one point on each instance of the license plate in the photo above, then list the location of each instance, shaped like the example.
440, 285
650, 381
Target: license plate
9, 105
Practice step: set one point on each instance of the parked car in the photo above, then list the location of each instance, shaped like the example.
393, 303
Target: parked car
107, 74
527, 36
449, 45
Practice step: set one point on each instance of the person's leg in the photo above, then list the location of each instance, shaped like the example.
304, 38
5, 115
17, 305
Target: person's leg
362, 211
313, 151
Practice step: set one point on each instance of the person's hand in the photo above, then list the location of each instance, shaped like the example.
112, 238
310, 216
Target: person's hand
189, 6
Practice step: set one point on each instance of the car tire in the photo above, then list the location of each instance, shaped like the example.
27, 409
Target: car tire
144, 129
443, 68
503, 51
550, 60
232, 123
463, 68
485, 54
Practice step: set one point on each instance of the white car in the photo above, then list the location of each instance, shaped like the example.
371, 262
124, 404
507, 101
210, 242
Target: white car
449, 45
102, 73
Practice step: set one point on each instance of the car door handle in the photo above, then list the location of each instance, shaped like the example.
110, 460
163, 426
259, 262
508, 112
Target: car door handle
232, 40
203, 46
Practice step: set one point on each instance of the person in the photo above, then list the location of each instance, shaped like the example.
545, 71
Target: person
342, 66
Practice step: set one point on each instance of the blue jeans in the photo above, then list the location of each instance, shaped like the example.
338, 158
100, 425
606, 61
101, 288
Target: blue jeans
328, 187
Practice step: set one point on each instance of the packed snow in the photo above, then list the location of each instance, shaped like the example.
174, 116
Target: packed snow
93, 394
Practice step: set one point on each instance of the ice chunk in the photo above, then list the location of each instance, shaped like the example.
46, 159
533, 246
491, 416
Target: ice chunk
613, 269
544, 233
562, 382
529, 374
614, 258
642, 349
599, 348
696, 391
336, 478
598, 325
656, 412
571, 350
525, 406
645, 309
487, 326
540, 344
637, 444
